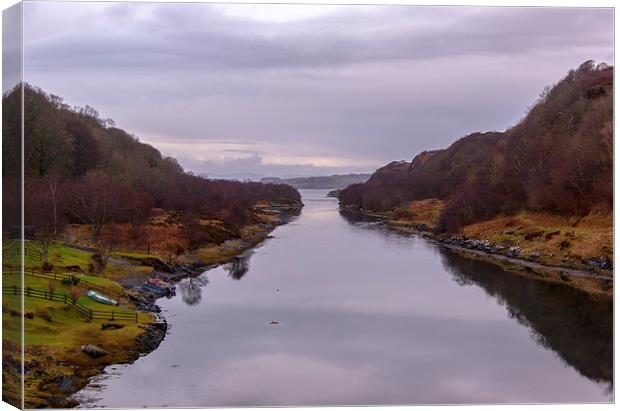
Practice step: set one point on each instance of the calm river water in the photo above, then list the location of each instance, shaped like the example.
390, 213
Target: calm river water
366, 316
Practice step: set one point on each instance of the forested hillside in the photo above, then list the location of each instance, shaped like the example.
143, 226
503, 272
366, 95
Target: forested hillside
81, 169
558, 159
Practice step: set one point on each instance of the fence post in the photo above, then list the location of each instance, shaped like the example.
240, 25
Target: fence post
65, 298
14, 290
90, 313
28, 292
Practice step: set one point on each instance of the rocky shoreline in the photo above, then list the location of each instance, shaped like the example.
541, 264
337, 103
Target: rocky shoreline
596, 280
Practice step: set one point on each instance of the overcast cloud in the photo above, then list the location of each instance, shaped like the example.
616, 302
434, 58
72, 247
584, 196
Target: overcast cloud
247, 90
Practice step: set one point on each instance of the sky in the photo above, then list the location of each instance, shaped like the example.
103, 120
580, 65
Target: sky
245, 91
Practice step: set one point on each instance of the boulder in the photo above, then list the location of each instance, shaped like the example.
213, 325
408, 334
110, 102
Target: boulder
111, 326
513, 252
65, 384
93, 351
534, 256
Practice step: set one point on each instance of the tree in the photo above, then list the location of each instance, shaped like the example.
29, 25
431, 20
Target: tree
41, 197
75, 293
45, 144
84, 148
51, 287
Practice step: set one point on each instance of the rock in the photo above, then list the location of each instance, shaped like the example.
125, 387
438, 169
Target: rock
198, 266
144, 301
534, 256
41, 313
65, 384
93, 351
181, 268
601, 262
421, 227
111, 326
153, 336
74, 268
55, 401
513, 252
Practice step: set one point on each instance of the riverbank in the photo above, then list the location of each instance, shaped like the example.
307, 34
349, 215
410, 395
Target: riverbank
56, 360
56, 366
535, 246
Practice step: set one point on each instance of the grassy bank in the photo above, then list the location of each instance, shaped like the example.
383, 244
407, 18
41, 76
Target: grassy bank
54, 332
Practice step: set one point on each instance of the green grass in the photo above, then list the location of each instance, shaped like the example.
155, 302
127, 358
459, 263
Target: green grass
115, 273
69, 315
107, 284
11, 253
40, 283
57, 330
60, 255
65, 322
53, 338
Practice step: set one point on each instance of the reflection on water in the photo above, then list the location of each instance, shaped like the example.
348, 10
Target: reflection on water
191, 289
239, 266
365, 316
571, 323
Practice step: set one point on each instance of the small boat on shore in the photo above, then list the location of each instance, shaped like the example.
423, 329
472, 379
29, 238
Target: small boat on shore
159, 287
100, 298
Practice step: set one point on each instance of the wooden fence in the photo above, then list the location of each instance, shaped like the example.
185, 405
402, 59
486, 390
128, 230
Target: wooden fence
14, 249
91, 314
73, 277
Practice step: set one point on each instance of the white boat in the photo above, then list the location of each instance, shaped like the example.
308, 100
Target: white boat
100, 298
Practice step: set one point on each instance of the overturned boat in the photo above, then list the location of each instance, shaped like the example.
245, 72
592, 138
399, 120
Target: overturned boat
100, 298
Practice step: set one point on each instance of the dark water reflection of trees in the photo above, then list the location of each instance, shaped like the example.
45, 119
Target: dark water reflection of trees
239, 266
191, 289
578, 327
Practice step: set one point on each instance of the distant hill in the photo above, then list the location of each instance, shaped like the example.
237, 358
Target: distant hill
332, 182
558, 159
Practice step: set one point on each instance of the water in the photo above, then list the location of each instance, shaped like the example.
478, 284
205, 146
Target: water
366, 316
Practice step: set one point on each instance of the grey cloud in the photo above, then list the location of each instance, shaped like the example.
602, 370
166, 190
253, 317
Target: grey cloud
196, 37
11, 47
368, 83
